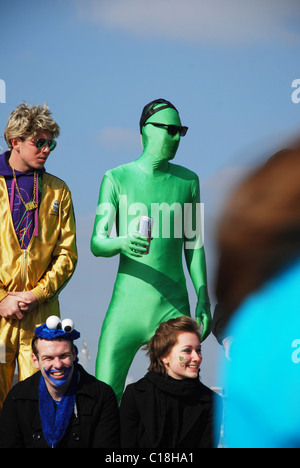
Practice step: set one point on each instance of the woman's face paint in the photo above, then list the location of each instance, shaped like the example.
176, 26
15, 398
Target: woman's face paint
185, 357
183, 362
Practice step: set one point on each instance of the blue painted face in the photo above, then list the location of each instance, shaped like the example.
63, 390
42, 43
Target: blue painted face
66, 371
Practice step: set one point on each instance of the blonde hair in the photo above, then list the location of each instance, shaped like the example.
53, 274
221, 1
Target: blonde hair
26, 121
165, 337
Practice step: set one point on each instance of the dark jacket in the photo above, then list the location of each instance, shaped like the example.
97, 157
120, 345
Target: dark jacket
96, 425
139, 415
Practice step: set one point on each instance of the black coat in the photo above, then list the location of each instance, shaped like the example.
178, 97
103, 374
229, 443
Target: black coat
96, 425
139, 416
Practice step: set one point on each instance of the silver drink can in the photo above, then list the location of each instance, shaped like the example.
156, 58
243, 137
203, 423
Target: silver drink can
145, 228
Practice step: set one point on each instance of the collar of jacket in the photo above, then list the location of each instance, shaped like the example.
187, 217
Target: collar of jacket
146, 409
29, 390
205, 394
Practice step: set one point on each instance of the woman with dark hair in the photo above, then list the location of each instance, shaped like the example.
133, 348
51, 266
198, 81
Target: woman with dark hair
257, 286
169, 407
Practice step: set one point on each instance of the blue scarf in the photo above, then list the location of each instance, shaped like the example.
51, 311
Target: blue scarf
55, 418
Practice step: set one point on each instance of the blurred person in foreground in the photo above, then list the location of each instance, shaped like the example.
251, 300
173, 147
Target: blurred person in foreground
38, 251
170, 407
61, 406
258, 288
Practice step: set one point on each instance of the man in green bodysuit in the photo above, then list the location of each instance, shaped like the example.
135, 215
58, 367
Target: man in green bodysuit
149, 289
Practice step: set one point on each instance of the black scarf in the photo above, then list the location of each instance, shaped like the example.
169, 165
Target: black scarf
169, 396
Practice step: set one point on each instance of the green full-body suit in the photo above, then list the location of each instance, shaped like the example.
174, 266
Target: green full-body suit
149, 289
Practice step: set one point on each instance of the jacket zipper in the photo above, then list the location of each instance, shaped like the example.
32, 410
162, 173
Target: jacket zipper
24, 269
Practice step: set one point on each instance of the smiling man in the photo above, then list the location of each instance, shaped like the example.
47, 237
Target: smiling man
61, 405
38, 251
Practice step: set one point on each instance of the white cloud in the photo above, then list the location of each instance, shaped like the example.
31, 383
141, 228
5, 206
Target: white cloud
201, 21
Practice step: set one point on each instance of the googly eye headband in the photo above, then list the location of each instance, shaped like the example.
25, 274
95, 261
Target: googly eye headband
55, 328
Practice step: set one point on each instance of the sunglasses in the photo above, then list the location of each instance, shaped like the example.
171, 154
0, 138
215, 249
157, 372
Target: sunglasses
171, 129
41, 142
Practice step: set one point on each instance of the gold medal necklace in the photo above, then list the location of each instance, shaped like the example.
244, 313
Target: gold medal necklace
32, 204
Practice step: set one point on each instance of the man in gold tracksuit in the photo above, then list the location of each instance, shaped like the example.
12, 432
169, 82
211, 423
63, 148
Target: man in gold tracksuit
38, 251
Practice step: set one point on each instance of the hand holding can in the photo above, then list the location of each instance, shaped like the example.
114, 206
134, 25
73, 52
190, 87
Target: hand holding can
145, 229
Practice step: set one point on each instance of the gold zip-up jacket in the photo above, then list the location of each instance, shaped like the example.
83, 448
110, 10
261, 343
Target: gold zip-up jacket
50, 259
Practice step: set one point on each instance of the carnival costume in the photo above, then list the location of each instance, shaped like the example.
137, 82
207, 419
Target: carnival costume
38, 253
149, 289
85, 417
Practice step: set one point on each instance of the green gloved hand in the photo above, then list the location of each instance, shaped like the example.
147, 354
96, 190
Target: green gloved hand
203, 313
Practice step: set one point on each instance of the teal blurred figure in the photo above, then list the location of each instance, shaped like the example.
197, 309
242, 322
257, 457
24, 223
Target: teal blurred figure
258, 287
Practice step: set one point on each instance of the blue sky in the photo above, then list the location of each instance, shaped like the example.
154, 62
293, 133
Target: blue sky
227, 65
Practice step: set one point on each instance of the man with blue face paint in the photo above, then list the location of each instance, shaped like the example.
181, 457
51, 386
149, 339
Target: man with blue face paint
55, 356
53, 407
